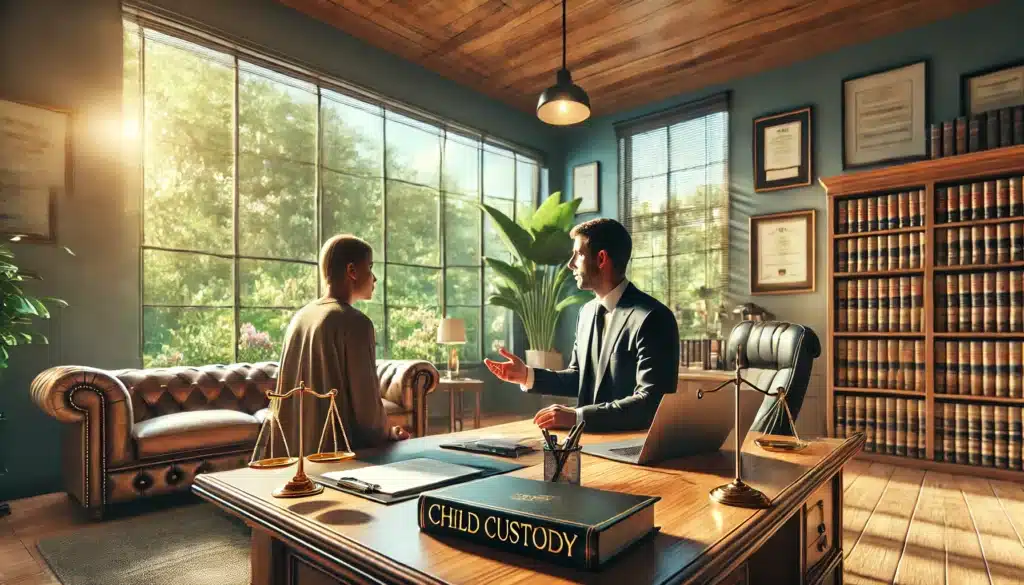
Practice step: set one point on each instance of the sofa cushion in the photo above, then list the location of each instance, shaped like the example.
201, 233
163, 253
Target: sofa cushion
193, 431
392, 408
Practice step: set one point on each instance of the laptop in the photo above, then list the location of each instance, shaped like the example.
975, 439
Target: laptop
685, 425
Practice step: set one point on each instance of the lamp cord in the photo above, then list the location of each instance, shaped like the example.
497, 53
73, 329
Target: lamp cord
563, 33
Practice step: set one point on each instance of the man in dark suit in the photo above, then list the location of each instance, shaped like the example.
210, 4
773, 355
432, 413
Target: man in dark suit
626, 353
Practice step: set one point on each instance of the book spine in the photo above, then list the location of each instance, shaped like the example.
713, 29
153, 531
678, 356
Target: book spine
977, 369
941, 247
991, 239
941, 205
869, 424
860, 415
966, 203
961, 135
1005, 127
991, 130
564, 544
963, 378
914, 204
872, 368
989, 199
907, 364
1013, 381
1002, 431
892, 361
915, 249
840, 417
952, 304
862, 215
872, 210
989, 303
977, 244
906, 220
841, 363
1002, 236
988, 365
1016, 301
894, 206
901, 426
919, 365
941, 303
988, 435
1018, 125
1002, 301
842, 255
974, 434
1002, 190
851, 305
953, 204
940, 367
862, 363
935, 140
1014, 442
841, 217
977, 302
882, 204
841, 308
1016, 242
895, 303
885, 262
940, 433
966, 246
862, 304
887, 414
948, 433
952, 368
872, 248
922, 424
948, 138
1013, 188
974, 138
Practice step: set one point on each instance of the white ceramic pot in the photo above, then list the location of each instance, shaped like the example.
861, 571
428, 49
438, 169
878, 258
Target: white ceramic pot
551, 360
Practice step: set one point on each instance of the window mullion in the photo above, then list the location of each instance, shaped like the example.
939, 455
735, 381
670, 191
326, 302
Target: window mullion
669, 217
140, 154
384, 232
234, 221
318, 183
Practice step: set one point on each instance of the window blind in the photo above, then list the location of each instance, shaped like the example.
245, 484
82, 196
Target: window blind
673, 199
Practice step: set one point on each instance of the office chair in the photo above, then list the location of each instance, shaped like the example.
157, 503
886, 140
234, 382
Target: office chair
774, 354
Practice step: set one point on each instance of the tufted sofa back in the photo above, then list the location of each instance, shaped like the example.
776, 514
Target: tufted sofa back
159, 391
774, 354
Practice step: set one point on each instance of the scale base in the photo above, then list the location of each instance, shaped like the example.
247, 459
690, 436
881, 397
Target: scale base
298, 488
740, 495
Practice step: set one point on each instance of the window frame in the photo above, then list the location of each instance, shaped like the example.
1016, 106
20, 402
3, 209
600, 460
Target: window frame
240, 56
625, 131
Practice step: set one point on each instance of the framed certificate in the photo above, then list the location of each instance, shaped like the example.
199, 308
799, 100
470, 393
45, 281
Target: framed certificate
992, 89
782, 150
884, 116
33, 169
586, 186
782, 257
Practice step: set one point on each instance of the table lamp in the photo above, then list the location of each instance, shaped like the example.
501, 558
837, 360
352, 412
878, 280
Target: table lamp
452, 331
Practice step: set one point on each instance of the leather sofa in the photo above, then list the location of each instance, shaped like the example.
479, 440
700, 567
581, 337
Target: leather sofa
773, 355
138, 433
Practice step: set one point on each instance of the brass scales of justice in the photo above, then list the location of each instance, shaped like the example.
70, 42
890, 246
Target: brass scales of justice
737, 493
300, 485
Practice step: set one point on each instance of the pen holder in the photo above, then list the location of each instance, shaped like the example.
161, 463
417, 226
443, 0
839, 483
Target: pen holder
568, 459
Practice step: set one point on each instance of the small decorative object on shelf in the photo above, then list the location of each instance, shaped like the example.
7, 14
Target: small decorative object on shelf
300, 485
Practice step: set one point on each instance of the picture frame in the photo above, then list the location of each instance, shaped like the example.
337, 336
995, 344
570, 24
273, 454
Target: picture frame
992, 88
586, 185
783, 150
34, 169
885, 116
782, 252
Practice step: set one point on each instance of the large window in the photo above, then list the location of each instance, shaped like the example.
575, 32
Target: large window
245, 171
673, 187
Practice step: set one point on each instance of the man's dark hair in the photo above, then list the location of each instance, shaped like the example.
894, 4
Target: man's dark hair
608, 235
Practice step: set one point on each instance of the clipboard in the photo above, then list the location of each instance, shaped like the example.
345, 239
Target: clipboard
400, 480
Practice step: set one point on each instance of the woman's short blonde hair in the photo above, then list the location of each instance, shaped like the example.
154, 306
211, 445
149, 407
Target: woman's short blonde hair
340, 251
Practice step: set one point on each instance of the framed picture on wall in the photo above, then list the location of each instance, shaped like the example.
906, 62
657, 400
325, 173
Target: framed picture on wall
782, 150
33, 169
885, 116
782, 256
586, 180
992, 89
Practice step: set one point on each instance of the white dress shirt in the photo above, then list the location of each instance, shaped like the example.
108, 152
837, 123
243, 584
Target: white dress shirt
610, 301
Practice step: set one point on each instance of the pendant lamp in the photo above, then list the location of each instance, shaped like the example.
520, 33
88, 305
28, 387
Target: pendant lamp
564, 102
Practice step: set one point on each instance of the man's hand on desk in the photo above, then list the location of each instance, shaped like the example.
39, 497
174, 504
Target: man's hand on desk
555, 416
513, 370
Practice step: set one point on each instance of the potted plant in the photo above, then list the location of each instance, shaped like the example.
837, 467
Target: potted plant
535, 285
17, 309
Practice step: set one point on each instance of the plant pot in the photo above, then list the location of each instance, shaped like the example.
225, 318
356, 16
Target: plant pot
551, 360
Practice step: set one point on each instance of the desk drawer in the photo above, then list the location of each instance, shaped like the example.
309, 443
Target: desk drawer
819, 524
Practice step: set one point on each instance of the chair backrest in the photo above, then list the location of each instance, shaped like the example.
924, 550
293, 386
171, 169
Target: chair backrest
773, 355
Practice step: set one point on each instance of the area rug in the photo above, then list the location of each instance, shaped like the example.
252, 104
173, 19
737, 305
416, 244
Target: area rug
195, 544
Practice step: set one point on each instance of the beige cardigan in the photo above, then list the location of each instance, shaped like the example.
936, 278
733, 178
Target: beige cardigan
330, 344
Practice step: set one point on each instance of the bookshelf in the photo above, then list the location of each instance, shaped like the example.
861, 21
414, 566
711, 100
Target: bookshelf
903, 264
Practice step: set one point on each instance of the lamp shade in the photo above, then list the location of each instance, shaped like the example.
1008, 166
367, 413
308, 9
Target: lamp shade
451, 330
563, 103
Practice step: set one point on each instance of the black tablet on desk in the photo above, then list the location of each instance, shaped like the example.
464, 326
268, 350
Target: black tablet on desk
493, 446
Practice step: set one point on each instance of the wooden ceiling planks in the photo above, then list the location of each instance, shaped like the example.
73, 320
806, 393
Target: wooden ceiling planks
624, 53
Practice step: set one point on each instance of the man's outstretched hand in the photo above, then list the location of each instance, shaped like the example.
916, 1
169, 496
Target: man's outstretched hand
513, 370
555, 416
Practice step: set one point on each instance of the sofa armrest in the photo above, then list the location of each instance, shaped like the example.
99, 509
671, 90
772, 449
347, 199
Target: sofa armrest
101, 404
405, 381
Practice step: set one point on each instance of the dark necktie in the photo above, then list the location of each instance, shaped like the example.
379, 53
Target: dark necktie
598, 333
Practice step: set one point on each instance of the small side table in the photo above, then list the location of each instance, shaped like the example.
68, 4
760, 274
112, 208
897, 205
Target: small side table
455, 389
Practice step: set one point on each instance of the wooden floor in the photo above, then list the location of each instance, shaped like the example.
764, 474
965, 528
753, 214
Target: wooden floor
901, 525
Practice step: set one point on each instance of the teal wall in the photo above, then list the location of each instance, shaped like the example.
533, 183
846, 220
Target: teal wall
67, 54
975, 40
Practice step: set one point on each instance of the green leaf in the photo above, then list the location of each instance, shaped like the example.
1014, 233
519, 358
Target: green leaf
502, 301
19, 304
516, 239
515, 276
40, 308
3, 357
552, 246
8, 287
8, 338
573, 299
59, 302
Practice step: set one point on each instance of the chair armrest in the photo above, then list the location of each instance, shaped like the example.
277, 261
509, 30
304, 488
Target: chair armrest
406, 382
81, 394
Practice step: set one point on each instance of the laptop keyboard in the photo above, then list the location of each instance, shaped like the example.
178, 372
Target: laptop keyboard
628, 451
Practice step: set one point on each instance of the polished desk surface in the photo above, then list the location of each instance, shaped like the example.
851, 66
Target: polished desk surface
697, 538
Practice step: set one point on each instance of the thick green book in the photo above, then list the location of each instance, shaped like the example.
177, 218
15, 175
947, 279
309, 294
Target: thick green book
570, 525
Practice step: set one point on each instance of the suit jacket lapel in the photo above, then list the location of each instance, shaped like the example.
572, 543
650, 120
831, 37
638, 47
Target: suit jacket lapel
612, 331
583, 345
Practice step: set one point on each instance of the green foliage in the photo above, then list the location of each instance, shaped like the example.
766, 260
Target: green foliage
533, 286
189, 169
18, 308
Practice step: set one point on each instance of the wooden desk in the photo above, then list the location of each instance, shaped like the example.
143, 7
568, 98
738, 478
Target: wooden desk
335, 537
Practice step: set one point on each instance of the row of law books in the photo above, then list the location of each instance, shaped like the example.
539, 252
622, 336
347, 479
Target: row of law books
980, 368
871, 253
892, 426
980, 302
881, 212
978, 434
980, 244
992, 129
892, 364
990, 199
893, 304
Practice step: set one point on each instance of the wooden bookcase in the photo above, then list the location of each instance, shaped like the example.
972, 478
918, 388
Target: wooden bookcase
927, 176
